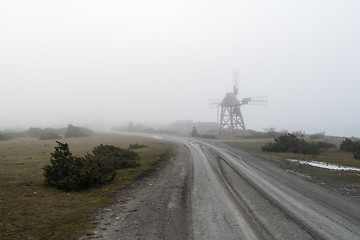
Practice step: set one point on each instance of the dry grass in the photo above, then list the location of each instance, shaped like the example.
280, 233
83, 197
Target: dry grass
31, 210
331, 155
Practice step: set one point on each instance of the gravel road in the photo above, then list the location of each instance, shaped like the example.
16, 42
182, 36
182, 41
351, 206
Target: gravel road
213, 191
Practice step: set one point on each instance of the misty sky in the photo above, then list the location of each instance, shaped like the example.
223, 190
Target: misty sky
104, 63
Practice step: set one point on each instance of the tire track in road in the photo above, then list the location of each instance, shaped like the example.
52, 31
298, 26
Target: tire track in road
301, 217
214, 213
268, 211
234, 198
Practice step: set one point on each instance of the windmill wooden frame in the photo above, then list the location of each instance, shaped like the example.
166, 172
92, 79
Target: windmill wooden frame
230, 115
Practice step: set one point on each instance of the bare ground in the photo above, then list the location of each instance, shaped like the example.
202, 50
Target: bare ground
153, 208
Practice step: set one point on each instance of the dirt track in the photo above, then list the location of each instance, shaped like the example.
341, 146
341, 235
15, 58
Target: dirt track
213, 191
153, 208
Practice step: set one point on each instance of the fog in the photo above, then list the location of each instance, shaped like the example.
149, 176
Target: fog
105, 63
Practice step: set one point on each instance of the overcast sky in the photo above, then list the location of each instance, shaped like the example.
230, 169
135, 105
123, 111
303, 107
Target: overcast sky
109, 62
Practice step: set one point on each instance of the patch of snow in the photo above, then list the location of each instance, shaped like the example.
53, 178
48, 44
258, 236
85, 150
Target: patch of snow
156, 137
325, 165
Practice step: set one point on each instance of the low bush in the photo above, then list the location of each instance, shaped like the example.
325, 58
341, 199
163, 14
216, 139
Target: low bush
35, 132
137, 146
4, 137
115, 157
349, 145
73, 132
290, 143
74, 173
326, 145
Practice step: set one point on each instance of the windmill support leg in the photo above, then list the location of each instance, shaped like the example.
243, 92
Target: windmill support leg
231, 118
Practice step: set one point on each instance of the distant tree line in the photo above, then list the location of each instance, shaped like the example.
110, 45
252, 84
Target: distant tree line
318, 135
349, 145
131, 127
47, 133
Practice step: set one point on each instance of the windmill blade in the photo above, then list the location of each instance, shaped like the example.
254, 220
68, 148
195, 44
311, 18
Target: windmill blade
259, 101
214, 103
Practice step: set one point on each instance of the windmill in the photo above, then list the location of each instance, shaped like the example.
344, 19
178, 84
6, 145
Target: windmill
229, 106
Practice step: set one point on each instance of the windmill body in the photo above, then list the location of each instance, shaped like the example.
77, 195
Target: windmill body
230, 118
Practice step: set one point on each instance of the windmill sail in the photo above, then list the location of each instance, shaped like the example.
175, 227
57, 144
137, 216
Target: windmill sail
259, 101
214, 103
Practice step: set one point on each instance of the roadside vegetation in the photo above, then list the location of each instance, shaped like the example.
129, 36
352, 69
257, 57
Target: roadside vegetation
70, 172
137, 146
291, 143
349, 145
32, 209
331, 154
47, 133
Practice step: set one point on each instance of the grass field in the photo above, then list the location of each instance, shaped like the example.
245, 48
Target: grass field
30, 209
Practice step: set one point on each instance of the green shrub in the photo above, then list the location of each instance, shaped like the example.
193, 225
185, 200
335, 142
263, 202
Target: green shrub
74, 173
290, 143
349, 145
115, 157
43, 133
73, 132
4, 137
137, 146
67, 171
326, 145
35, 132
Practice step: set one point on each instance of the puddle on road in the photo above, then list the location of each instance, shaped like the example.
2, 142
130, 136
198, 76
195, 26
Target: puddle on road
325, 165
